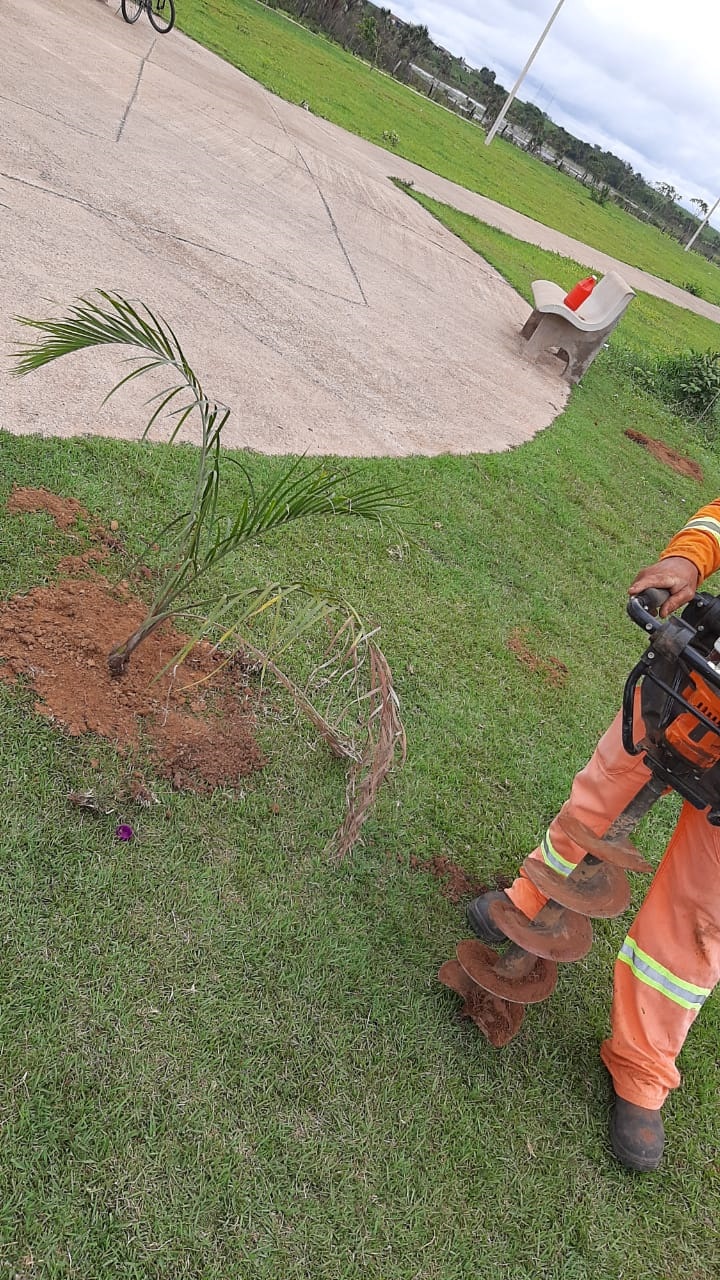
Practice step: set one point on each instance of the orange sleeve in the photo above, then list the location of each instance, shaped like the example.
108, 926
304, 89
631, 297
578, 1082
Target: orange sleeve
699, 540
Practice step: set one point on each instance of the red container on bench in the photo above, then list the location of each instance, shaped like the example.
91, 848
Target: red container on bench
580, 293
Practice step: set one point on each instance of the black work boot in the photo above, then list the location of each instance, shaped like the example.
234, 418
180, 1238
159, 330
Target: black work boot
478, 917
637, 1136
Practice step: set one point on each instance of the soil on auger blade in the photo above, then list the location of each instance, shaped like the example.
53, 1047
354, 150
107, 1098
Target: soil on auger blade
498, 1019
484, 967
603, 895
565, 936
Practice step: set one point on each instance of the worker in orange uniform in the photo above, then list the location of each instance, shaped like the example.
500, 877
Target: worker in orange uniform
670, 960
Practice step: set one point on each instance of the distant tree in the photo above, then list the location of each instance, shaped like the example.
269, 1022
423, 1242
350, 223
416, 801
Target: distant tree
667, 191
532, 121
412, 45
368, 29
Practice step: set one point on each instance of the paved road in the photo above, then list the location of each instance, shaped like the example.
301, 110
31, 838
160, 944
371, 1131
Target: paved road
329, 310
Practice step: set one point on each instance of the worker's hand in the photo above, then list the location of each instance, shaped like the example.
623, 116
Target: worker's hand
676, 575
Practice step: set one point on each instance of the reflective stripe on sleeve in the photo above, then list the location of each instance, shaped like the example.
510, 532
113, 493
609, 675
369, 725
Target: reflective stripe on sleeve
661, 979
705, 524
555, 859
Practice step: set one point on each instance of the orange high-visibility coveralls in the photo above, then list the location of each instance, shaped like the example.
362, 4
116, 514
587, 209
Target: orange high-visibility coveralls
670, 959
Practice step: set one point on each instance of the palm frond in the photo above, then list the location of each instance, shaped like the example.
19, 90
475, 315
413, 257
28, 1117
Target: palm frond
113, 321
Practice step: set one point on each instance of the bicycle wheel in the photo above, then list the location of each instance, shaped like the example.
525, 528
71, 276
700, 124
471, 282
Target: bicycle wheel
131, 9
162, 14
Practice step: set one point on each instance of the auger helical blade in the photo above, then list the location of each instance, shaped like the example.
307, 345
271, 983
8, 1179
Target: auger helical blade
555, 933
526, 971
596, 889
498, 1019
513, 975
619, 851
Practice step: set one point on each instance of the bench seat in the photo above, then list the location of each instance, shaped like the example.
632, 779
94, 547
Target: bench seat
576, 335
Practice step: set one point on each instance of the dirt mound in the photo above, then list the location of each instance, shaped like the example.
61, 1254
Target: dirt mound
197, 718
64, 511
664, 453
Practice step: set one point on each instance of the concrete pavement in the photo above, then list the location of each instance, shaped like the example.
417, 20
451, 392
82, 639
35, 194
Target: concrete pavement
329, 311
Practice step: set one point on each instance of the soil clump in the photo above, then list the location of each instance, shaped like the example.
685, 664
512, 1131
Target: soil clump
455, 883
552, 669
66, 512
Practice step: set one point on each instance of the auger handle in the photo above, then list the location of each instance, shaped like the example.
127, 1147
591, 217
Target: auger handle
643, 609
678, 633
672, 641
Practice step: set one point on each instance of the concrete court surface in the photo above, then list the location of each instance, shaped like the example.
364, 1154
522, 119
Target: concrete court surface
319, 302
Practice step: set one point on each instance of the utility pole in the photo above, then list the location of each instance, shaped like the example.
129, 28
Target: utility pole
704, 223
513, 92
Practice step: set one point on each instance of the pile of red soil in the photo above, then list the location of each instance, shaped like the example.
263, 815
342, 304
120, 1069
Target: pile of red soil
197, 718
66, 512
455, 883
664, 453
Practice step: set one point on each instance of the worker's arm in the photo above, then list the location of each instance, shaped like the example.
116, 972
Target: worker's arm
690, 557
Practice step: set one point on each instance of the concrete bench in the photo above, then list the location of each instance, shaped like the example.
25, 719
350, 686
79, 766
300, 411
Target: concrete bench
576, 335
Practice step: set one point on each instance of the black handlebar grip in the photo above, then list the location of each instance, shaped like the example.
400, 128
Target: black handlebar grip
653, 599
643, 609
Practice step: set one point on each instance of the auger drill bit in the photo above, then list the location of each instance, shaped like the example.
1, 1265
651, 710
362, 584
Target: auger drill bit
499, 1020
526, 971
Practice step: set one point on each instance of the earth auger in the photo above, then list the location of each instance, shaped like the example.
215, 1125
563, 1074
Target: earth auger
676, 684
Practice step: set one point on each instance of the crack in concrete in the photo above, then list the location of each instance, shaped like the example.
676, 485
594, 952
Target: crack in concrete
296, 359
69, 124
133, 95
328, 210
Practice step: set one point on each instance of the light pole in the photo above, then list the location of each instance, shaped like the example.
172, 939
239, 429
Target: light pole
521, 77
704, 223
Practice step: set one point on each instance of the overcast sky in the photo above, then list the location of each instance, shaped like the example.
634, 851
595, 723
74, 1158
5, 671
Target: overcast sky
638, 77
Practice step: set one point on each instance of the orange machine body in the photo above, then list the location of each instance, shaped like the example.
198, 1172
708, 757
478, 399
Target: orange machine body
687, 734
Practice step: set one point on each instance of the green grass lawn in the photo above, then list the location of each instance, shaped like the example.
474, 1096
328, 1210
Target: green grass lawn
298, 65
225, 1056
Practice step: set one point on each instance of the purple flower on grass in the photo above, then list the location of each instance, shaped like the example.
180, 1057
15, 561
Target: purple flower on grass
124, 831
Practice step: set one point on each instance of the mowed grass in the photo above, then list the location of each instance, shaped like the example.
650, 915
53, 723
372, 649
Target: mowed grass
300, 66
226, 1056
